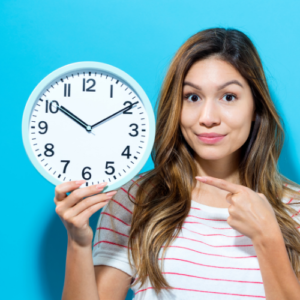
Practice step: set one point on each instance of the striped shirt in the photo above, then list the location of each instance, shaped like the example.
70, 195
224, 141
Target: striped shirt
208, 259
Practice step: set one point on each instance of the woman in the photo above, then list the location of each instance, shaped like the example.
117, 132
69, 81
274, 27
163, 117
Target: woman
169, 234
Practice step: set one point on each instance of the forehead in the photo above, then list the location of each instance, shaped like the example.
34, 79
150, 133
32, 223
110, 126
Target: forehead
213, 70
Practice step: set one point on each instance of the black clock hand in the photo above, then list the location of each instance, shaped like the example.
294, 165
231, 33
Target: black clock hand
74, 118
129, 106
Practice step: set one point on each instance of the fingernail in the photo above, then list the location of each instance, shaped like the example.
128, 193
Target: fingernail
111, 194
80, 182
201, 178
101, 185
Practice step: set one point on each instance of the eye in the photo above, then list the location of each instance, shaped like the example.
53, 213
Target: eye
229, 97
192, 97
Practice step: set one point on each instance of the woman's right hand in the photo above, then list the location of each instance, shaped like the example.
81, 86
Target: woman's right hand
75, 211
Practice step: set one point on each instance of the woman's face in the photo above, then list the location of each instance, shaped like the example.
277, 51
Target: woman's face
216, 99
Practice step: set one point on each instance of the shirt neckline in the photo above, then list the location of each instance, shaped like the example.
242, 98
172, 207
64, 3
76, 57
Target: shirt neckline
218, 210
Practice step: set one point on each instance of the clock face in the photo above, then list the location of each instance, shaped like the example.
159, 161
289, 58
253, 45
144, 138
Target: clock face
91, 125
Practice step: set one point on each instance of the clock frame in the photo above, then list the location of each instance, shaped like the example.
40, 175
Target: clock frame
79, 68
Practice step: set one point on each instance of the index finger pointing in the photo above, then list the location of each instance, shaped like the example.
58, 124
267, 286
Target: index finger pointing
220, 183
62, 189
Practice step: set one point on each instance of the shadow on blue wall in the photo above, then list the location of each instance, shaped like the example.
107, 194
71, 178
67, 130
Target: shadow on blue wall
52, 258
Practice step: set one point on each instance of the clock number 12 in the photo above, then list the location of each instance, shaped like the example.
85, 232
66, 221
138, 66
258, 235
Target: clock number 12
89, 89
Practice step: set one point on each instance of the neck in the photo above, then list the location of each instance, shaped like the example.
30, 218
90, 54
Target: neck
225, 168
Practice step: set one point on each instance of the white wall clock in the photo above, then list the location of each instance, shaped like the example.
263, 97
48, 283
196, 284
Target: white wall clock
88, 120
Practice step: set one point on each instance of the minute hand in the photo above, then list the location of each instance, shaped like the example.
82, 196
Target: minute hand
129, 106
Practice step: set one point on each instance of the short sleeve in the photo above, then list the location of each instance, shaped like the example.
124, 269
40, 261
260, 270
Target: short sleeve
293, 204
110, 243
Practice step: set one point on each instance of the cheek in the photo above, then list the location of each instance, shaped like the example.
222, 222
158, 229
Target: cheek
189, 117
239, 123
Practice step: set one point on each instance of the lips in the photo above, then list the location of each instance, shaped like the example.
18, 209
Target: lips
212, 138
210, 135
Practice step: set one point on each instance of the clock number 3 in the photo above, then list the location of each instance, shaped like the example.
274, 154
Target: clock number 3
134, 129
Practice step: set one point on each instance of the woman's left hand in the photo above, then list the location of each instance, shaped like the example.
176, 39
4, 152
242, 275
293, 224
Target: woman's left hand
250, 213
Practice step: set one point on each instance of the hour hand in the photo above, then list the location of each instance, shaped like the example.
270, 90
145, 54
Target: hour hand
74, 118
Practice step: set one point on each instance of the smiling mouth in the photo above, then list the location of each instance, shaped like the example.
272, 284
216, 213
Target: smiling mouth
210, 140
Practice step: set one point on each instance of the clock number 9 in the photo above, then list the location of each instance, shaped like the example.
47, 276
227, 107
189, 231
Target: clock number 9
110, 167
135, 129
45, 127
85, 174
49, 150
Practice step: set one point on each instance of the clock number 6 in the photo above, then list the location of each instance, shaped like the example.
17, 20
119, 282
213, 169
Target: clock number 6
85, 174
135, 129
110, 167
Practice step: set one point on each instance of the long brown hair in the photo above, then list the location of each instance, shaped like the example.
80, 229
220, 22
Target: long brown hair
163, 196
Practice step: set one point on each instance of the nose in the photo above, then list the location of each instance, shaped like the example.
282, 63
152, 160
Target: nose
209, 115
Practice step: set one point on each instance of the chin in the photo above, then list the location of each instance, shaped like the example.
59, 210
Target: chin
209, 155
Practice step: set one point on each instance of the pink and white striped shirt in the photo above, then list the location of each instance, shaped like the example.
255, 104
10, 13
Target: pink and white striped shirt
208, 259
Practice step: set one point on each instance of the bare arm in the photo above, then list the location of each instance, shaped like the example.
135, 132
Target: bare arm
112, 284
80, 280
280, 281
83, 280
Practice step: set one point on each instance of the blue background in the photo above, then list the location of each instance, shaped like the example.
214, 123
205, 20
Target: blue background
139, 37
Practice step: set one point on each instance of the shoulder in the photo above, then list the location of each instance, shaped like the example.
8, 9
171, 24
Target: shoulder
291, 194
122, 203
291, 197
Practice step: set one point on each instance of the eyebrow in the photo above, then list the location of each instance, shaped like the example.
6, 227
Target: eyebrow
218, 89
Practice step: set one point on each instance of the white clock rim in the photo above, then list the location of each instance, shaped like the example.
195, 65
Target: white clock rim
80, 67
